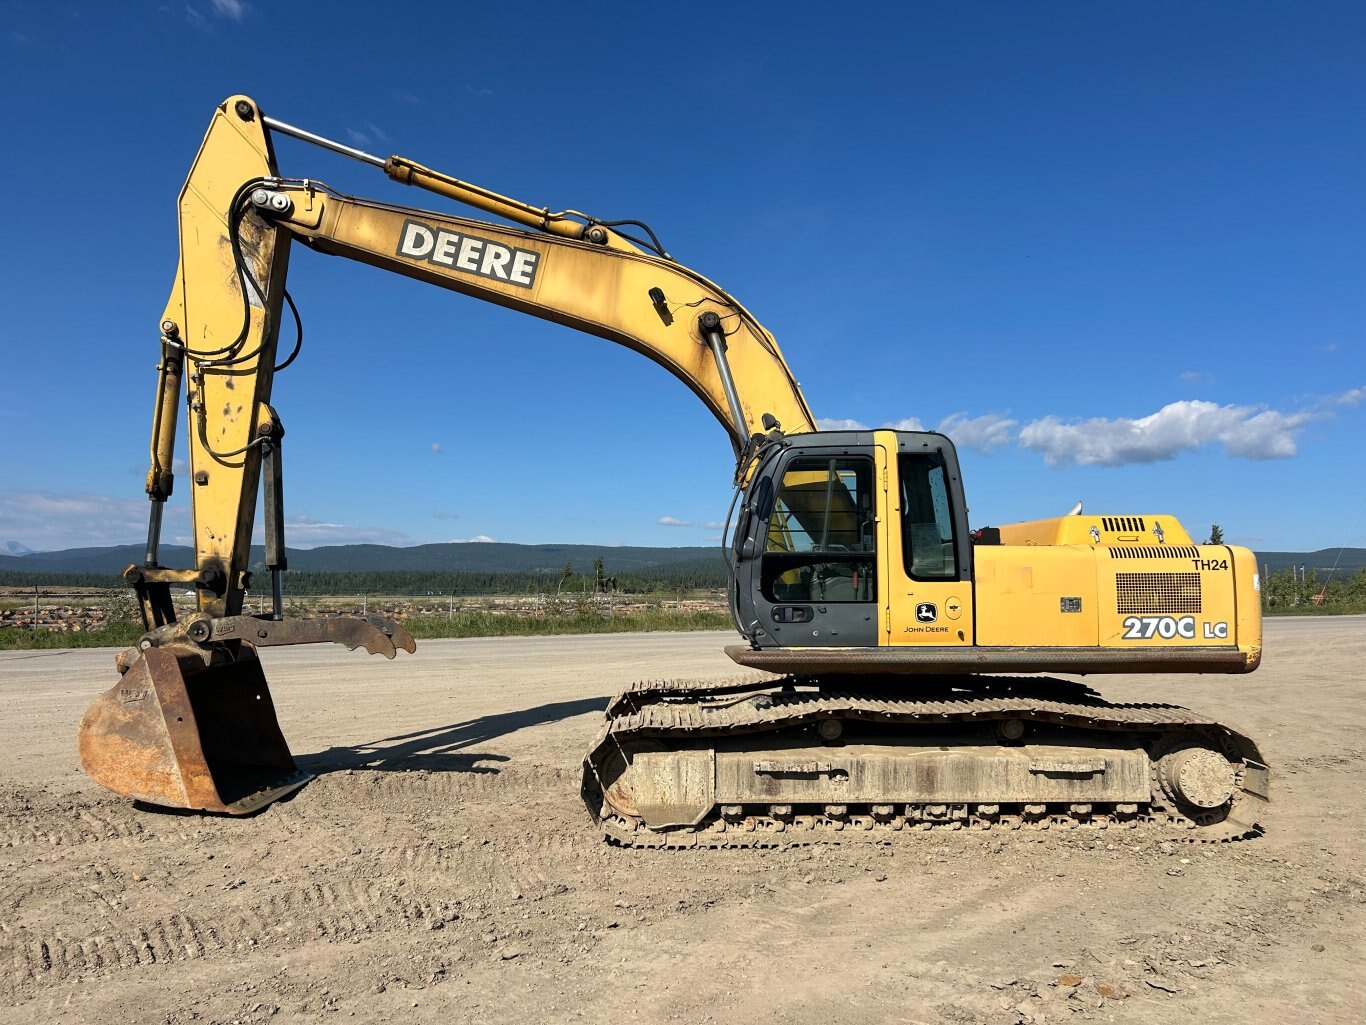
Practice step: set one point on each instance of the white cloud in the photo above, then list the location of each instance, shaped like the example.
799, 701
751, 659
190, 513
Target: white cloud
670, 521
234, 9
199, 12
1195, 377
984, 433
483, 539
436, 448
1245, 431
53, 520
367, 134
911, 423
714, 538
716, 525
306, 532
828, 424
405, 96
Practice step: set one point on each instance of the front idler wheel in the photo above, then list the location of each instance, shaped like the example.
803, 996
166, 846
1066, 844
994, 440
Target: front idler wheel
1197, 778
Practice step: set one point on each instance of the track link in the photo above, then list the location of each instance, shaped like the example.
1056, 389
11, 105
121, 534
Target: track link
669, 714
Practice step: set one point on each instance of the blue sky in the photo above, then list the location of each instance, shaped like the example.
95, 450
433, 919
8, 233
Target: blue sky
1116, 251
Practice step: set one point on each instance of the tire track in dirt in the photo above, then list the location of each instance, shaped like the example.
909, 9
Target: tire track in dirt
30, 820
418, 790
307, 870
35, 818
331, 910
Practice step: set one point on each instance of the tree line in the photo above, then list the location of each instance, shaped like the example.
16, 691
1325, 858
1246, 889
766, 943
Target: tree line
698, 574
1304, 589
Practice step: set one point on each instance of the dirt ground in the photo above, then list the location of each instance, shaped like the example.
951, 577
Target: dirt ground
442, 869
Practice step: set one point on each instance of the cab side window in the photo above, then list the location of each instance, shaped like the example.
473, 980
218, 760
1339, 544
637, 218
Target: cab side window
927, 519
819, 546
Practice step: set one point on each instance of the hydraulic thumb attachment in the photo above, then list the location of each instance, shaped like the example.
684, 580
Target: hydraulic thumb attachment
191, 723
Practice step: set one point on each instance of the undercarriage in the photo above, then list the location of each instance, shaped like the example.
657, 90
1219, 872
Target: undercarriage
806, 759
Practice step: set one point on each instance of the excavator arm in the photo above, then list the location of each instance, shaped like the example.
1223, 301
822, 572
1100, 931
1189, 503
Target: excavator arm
221, 328
220, 350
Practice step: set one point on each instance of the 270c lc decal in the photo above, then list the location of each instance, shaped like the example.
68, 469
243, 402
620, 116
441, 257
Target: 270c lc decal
1145, 628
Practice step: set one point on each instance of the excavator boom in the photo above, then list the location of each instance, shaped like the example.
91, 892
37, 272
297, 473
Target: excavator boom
221, 327
220, 336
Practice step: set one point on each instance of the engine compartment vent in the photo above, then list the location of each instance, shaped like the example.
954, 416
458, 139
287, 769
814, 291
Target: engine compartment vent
1124, 524
1153, 552
1149, 594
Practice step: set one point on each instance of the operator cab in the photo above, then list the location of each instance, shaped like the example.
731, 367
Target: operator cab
833, 524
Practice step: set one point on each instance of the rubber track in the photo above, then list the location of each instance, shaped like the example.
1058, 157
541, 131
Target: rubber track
666, 710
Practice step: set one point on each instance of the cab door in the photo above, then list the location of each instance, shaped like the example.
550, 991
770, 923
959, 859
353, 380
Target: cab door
807, 553
928, 554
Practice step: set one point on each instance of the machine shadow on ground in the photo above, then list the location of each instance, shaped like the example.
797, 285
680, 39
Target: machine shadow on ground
440, 749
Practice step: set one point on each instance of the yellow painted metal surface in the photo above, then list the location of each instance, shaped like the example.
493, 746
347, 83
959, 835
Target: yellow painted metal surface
225, 391
1169, 602
1075, 596
1020, 591
1109, 530
1247, 598
904, 602
603, 291
888, 572
566, 223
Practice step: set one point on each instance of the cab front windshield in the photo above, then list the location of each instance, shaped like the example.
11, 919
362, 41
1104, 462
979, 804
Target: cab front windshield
819, 546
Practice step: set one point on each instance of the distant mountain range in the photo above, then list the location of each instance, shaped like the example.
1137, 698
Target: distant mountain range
1350, 560
471, 556
491, 557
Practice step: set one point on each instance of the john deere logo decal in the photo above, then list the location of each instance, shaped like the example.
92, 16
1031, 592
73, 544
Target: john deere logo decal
926, 612
468, 253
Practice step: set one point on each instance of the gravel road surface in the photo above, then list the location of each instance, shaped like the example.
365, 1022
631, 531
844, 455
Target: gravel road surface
442, 869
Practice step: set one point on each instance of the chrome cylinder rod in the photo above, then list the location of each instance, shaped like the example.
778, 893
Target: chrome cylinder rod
276, 125
710, 325
277, 593
153, 533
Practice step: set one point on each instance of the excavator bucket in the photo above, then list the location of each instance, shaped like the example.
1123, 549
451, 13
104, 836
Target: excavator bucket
177, 733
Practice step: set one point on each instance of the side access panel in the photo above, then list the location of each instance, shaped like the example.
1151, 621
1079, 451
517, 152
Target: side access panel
1034, 596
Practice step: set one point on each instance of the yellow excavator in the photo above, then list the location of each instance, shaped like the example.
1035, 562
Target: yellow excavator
892, 630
